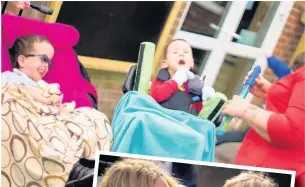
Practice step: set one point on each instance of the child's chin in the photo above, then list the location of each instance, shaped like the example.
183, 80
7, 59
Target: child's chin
38, 78
184, 66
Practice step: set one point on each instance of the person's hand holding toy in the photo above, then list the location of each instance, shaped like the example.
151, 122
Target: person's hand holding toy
236, 107
260, 87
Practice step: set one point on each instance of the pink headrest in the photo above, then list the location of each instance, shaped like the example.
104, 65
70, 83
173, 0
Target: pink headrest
65, 70
5, 57
60, 35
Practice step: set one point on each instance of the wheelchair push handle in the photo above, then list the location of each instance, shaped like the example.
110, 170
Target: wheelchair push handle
42, 8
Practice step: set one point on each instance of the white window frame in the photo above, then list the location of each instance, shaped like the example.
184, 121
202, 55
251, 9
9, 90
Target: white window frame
221, 46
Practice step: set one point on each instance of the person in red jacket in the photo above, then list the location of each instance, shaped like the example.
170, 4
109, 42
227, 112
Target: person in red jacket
276, 138
176, 87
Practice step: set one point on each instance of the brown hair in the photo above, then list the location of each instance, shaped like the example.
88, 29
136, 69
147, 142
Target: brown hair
298, 61
24, 45
195, 69
174, 40
250, 179
133, 173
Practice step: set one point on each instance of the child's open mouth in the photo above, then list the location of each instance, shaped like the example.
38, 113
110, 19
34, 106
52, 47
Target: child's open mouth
181, 62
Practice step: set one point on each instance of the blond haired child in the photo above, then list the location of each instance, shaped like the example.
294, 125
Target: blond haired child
250, 179
136, 172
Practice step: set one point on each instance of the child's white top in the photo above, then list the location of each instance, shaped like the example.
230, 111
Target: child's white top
18, 77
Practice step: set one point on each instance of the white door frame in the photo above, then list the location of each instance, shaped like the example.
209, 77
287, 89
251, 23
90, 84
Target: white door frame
222, 45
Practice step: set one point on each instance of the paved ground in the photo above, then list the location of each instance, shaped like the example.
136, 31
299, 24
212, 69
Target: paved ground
225, 153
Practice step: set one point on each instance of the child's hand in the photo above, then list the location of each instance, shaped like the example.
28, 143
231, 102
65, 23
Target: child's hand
54, 100
180, 76
207, 92
190, 75
62, 110
54, 89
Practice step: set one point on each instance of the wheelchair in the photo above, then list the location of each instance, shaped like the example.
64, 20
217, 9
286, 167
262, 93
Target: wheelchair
65, 58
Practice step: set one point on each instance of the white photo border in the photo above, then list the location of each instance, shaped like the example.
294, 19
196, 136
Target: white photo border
166, 159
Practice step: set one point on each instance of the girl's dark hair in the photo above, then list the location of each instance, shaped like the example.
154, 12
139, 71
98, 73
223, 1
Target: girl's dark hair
24, 45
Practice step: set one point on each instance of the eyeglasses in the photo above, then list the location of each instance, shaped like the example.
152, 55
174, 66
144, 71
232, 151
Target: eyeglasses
43, 58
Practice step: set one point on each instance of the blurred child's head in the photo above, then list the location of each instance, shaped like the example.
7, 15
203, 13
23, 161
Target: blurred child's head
250, 179
32, 55
178, 54
135, 172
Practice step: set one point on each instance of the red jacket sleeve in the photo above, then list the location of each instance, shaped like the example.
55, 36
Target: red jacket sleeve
161, 91
198, 106
287, 130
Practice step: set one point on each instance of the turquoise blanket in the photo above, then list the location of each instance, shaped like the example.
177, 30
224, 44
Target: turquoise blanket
141, 126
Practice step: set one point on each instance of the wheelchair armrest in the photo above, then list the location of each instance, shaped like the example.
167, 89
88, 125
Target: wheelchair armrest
87, 163
219, 119
80, 176
83, 71
93, 100
130, 79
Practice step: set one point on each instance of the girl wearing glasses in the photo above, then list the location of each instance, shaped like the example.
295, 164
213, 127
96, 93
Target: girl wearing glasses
52, 137
31, 57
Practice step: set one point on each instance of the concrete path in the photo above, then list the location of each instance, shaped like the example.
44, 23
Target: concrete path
225, 153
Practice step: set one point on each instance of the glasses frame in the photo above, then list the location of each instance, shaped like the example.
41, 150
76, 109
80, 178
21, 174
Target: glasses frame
44, 58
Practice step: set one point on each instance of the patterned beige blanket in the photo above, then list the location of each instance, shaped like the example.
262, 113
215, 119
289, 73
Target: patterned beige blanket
39, 145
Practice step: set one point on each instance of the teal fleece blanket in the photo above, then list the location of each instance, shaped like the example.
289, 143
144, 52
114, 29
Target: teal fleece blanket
141, 126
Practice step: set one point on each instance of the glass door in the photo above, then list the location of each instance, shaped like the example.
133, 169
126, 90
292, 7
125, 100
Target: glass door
229, 38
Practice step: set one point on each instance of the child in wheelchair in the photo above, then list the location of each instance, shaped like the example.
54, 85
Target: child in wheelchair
176, 87
59, 133
31, 58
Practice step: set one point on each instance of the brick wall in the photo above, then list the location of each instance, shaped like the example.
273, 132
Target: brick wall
291, 34
290, 37
109, 88
288, 40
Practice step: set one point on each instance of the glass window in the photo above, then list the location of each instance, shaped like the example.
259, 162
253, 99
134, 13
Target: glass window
205, 17
230, 78
200, 58
255, 22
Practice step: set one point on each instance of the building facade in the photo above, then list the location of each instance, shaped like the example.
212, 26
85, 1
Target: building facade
228, 38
